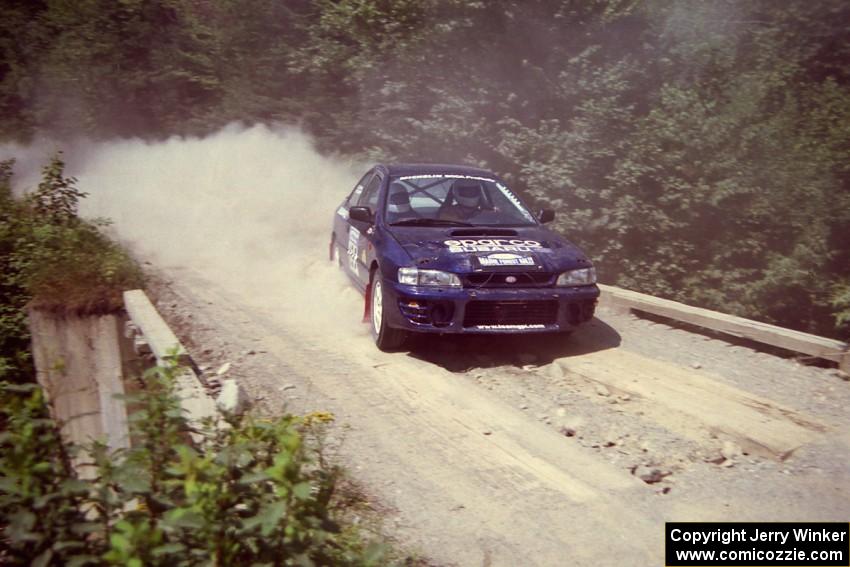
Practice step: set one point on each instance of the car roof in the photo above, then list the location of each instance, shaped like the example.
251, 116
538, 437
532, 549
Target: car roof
433, 168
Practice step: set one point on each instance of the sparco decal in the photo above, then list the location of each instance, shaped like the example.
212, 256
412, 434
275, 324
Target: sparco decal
492, 245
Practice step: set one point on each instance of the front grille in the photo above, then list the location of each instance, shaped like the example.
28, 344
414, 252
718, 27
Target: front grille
508, 279
538, 312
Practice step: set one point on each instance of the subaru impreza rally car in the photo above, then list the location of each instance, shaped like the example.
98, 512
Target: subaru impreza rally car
450, 249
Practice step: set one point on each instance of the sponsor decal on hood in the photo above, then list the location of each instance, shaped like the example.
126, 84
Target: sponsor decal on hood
492, 245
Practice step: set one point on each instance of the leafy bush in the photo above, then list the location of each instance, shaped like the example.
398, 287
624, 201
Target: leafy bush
59, 261
57, 198
51, 259
65, 263
15, 360
73, 268
40, 499
257, 492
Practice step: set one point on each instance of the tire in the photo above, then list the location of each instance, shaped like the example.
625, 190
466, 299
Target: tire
386, 338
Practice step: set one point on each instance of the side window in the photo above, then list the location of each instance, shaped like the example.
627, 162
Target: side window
369, 198
358, 189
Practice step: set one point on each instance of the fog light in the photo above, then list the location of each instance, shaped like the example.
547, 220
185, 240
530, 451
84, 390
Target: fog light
438, 314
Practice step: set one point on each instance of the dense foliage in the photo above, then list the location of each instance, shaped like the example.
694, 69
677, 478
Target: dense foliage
15, 360
698, 150
51, 259
63, 262
254, 493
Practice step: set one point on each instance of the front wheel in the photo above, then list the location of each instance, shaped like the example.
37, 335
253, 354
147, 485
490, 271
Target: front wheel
386, 338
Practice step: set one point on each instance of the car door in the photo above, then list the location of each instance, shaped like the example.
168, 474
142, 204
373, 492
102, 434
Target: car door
342, 225
360, 251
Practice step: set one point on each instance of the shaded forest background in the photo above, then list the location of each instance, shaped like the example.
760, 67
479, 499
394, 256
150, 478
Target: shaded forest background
698, 151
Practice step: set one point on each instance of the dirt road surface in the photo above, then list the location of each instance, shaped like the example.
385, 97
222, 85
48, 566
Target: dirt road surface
530, 451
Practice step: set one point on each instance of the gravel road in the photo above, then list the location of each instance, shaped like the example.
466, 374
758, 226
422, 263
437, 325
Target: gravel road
531, 451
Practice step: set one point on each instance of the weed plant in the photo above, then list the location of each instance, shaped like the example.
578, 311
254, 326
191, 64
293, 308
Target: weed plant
254, 492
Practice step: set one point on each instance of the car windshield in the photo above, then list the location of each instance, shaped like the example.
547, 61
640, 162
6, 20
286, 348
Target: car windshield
453, 200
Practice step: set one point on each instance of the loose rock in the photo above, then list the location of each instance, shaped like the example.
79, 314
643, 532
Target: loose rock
568, 431
223, 369
730, 451
232, 398
602, 390
650, 474
715, 458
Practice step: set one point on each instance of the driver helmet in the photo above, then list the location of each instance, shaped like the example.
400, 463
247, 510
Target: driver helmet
467, 193
398, 201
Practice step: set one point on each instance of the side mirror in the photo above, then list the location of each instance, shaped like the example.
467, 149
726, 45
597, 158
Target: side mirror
361, 214
546, 215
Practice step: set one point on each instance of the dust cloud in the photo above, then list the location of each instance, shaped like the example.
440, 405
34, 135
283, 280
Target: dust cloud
248, 208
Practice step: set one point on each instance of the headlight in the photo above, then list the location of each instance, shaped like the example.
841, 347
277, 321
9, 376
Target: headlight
584, 276
415, 276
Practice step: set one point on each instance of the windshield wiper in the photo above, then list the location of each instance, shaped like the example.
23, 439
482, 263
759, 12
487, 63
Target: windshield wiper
429, 222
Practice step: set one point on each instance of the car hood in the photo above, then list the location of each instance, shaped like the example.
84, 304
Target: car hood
465, 250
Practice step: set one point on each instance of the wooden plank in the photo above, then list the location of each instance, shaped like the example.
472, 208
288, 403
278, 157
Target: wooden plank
698, 404
194, 400
821, 347
156, 331
162, 340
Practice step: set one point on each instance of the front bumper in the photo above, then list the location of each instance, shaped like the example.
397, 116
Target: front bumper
488, 310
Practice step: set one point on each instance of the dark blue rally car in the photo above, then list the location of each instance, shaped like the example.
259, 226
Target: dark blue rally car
450, 249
